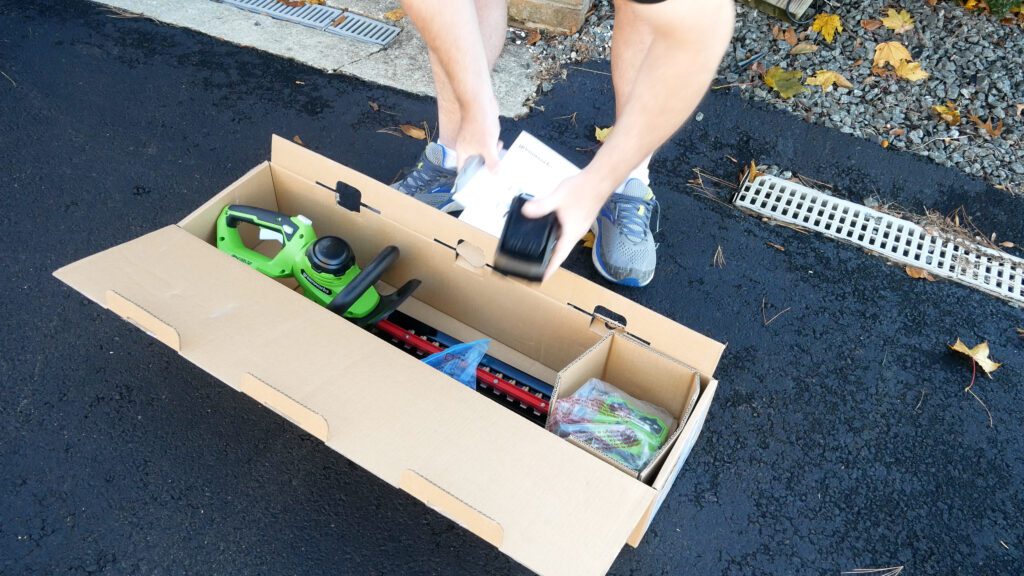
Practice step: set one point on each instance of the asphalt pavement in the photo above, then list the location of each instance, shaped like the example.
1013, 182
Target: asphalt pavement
840, 438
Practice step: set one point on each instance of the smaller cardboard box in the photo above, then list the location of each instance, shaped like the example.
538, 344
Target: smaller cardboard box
544, 502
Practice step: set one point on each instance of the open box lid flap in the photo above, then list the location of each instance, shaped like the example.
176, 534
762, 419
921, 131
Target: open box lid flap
567, 288
542, 501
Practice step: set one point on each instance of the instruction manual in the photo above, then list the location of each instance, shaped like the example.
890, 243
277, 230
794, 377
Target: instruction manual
528, 167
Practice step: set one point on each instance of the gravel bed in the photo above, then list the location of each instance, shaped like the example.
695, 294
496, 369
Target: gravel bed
974, 61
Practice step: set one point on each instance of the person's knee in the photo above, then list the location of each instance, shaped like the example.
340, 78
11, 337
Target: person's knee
711, 20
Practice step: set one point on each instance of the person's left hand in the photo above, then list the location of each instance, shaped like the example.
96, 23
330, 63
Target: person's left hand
576, 201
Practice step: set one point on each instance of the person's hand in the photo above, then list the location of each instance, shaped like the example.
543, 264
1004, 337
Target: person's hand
576, 201
479, 135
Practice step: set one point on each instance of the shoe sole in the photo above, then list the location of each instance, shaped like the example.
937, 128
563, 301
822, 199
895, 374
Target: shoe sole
595, 255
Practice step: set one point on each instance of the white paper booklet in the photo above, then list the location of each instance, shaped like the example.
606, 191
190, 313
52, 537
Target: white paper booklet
528, 166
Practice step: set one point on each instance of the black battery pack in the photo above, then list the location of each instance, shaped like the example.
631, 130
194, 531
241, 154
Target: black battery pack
525, 246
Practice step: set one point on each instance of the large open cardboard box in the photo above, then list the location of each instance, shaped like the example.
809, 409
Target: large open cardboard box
567, 513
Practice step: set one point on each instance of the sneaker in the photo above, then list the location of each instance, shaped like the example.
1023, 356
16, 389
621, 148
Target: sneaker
430, 182
624, 248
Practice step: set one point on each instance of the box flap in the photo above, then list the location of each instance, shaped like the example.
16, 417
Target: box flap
566, 288
546, 504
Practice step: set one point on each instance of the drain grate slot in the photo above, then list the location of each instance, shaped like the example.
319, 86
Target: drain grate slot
365, 29
322, 17
945, 256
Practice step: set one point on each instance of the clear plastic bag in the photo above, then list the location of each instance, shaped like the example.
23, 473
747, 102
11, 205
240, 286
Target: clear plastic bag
460, 361
628, 430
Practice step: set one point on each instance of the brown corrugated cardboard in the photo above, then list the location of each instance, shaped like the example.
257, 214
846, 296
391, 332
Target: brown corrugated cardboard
455, 450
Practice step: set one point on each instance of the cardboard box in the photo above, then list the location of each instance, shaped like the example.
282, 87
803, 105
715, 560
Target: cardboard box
566, 513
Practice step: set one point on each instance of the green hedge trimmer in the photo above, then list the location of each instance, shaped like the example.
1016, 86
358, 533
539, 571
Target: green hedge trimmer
324, 267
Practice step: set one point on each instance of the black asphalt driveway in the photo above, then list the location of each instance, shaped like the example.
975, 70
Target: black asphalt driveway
841, 436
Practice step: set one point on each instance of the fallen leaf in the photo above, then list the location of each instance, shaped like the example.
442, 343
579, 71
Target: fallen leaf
827, 78
898, 22
919, 274
533, 37
776, 246
803, 48
588, 240
948, 112
413, 131
911, 71
871, 24
786, 83
298, 140
931, 3
790, 36
339, 20
979, 354
602, 133
777, 33
987, 126
374, 106
828, 25
897, 132
752, 172
891, 53
394, 15
1007, 244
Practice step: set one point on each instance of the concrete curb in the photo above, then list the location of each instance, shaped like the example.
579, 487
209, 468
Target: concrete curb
403, 65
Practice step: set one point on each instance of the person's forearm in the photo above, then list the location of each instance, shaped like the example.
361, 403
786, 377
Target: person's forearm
682, 60
451, 31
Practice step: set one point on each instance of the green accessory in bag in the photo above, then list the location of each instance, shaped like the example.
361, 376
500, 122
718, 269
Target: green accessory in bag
324, 267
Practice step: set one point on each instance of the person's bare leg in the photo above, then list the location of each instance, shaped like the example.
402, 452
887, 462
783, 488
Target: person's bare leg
492, 15
630, 41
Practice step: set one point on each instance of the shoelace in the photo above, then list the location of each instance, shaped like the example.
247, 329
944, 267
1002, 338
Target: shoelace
628, 216
422, 178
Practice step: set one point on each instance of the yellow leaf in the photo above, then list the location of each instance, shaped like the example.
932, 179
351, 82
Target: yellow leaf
979, 354
891, 53
948, 112
828, 25
918, 274
588, 240
911, 71
394, 15
751, 172
899, 22
602, 133
413, 131
786, 83
803, 48
826, 79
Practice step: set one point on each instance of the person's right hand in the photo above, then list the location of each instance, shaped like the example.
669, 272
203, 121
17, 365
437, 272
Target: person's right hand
479, 134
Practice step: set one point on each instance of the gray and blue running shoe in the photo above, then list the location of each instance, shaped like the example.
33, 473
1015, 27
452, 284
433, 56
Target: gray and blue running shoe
624, 248
430, 182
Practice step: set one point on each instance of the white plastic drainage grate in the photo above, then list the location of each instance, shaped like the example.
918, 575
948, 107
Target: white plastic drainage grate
323, 18
977, 266
366, 29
